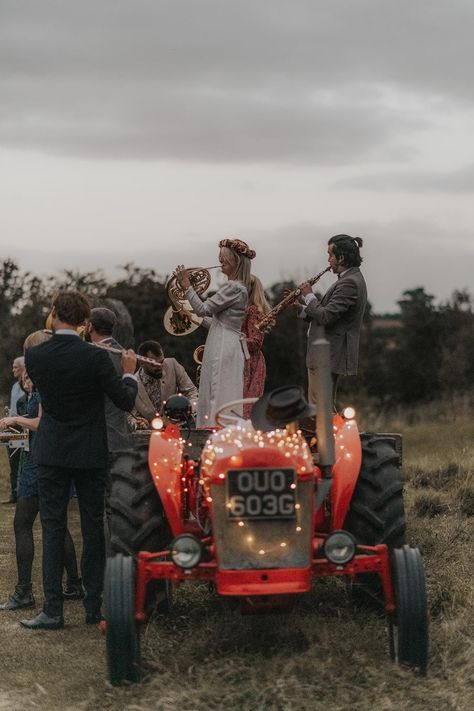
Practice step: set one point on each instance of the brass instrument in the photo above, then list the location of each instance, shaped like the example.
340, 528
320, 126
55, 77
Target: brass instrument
269, 320
198, 354
179, 318
197, 357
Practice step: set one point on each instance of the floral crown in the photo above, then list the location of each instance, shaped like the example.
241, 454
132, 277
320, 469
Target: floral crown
239, 246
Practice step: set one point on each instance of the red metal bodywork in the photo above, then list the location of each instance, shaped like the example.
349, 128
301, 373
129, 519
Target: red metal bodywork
184, 487
249, 583
346, 468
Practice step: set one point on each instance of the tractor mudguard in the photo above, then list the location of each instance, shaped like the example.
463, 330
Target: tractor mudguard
165, 460
346, 468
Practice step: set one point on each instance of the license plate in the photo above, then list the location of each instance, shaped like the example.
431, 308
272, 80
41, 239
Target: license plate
261, 493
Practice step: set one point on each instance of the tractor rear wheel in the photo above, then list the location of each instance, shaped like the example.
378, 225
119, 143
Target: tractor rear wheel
138, 521
122, 637
377, 512
408, 629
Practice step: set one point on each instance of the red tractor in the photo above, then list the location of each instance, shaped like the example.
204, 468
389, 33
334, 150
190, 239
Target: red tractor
260, 515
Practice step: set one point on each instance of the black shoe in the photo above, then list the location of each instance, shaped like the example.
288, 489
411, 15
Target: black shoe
73, 591
44, 622
18, 600
94, 618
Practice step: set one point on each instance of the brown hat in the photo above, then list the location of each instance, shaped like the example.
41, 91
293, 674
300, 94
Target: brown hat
103, 320
279, 407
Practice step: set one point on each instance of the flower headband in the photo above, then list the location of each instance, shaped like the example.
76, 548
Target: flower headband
239, 246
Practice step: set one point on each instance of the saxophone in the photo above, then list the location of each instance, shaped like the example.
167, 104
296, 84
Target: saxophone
268, 321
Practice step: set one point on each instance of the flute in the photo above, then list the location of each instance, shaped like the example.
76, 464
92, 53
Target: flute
120, 351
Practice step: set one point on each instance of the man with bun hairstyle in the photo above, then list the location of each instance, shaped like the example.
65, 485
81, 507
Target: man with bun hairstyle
340, 311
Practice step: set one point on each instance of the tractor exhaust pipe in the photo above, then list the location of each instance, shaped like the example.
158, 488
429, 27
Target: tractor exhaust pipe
324, 402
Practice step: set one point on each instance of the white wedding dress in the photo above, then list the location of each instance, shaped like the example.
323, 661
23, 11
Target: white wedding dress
222, 370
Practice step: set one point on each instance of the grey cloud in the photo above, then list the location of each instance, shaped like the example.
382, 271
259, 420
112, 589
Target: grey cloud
458, 181
251, 129
268, 81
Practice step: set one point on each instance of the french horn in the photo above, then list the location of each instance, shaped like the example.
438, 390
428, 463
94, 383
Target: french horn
179, 318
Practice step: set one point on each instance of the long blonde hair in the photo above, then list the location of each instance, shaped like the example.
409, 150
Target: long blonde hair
257, 295
241, 266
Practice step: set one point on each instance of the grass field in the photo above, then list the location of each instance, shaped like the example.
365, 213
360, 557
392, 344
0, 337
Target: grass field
324, 655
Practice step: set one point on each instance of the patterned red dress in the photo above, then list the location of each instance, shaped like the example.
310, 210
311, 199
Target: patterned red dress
255, 368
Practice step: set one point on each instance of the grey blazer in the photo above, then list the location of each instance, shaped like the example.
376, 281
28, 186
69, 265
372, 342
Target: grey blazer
341, 311
174, 380
118, 429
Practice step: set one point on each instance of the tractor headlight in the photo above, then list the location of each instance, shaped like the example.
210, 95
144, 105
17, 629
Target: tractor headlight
186, 551
340, 547
157, 423
348, 413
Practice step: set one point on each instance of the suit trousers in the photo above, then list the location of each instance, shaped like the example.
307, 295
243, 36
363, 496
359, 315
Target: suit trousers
54, 493
312, 386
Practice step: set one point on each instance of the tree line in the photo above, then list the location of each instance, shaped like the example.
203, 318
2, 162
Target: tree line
422, 352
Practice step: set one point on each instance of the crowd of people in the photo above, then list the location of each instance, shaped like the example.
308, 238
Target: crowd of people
80, 403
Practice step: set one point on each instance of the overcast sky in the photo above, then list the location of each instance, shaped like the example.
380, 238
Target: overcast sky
147, 130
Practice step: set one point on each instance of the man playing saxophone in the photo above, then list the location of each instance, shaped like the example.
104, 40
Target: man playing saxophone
340, 311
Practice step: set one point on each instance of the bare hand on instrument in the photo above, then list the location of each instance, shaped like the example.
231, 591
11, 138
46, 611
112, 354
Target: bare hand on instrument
7, 422
142, 423
305, 288
181, 274
129, 361
296, 305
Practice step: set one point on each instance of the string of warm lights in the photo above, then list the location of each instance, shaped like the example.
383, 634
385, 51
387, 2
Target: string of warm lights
233, 447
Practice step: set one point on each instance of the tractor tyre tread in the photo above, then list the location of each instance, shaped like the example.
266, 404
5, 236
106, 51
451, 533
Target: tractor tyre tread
138, 521
377, 514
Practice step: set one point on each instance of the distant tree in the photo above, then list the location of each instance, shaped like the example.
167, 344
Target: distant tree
456, 369
416, 361
93, 284
285, 346
21, 312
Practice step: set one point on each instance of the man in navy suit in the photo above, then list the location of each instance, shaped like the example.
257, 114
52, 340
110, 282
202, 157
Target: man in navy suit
72, 378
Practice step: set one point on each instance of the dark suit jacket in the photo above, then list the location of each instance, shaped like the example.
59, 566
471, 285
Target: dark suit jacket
72, 377
341, 311
116, 420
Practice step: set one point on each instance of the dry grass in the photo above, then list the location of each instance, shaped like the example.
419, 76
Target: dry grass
322, 656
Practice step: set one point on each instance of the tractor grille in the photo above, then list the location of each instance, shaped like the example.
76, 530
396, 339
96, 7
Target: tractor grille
258, 544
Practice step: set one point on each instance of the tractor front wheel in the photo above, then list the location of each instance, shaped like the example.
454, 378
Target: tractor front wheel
408, 628
122, 637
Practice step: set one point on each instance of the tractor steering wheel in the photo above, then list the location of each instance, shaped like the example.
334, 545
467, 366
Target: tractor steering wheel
232, 418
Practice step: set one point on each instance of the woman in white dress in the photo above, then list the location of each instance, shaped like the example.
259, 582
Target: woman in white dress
225, 351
